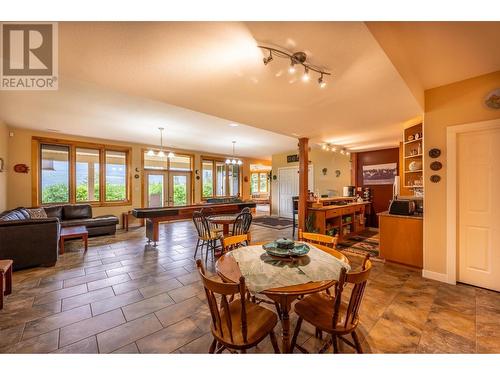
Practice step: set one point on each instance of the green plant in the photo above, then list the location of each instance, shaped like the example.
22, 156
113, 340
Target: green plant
57, 193
310, 220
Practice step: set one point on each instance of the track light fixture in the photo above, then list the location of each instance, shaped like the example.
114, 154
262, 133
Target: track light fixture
321, 82
296, 58
330, 147
268, 59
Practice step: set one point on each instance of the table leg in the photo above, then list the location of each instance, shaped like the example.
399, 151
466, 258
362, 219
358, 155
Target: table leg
61, 246
285, 321
225, 229
86, 241
8, 281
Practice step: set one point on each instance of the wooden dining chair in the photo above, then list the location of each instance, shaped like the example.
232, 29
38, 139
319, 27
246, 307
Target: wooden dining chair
317, 238
333, 315
207, 212
242, 224
234, 242
206, 237
246, 209
239, 324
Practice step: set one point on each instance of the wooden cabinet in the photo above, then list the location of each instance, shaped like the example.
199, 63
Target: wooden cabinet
343, 221
401, 239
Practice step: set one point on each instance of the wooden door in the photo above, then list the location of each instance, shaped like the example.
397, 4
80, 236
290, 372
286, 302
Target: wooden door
478, 200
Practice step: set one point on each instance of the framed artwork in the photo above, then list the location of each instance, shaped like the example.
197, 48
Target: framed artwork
380, 174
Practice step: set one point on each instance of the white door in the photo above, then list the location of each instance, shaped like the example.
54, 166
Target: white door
478, 179
288, 181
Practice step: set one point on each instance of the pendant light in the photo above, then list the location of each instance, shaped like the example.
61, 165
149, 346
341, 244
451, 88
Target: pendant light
233, 161
161, 153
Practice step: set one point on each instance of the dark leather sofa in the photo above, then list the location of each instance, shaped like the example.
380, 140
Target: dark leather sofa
71, 215
35, 242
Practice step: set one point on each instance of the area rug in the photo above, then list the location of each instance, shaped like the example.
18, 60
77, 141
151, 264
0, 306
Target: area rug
363, 243
273, 222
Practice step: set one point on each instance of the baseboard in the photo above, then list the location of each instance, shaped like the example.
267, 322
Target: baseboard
443, 277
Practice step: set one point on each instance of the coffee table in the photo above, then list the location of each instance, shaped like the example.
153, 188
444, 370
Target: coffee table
73, 232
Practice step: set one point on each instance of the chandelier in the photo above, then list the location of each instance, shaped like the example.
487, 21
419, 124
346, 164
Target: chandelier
233, 161
161, 153
297, 58
330, 147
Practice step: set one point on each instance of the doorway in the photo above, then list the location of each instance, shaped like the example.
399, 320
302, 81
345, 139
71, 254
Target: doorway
288, 185
475, 182
163, 189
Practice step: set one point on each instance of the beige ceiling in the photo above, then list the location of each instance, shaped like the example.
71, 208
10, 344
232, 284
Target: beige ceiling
432, 54
215, 68
115, 77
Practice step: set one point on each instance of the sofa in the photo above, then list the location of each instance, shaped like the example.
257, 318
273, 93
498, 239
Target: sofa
33, 242
71, 215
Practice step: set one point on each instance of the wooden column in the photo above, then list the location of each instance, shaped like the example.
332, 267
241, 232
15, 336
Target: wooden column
303, 182
354, 170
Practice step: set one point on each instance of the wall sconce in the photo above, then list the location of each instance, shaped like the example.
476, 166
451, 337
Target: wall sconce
324, 170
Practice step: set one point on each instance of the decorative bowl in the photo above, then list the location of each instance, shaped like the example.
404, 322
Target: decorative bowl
298, 249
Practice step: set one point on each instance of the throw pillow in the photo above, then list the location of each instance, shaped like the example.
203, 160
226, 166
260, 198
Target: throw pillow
37, 213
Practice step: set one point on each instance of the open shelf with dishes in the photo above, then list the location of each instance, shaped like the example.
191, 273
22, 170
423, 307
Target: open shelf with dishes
413, 145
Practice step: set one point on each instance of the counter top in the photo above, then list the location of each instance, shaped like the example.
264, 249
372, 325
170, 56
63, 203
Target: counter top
335, 207
415, 217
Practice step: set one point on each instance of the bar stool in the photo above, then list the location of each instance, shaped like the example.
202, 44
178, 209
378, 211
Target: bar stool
5, 278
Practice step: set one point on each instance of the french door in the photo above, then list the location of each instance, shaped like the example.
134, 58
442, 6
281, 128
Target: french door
162, 188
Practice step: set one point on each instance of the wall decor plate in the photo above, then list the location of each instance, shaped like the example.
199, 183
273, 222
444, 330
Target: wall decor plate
21, 168
436, 165
434, 152
435, 178
493, 99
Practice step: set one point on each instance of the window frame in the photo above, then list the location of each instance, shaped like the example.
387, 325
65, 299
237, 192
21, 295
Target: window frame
258, 173
36, 176
214, 160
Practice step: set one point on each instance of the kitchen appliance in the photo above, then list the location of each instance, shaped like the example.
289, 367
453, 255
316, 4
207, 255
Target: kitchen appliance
404, 207
348, 191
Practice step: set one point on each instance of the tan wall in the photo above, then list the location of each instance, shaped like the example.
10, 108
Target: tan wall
458, 103
319, 159
19, 184
4, 136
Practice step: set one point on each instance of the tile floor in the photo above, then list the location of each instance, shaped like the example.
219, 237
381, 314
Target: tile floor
124, 297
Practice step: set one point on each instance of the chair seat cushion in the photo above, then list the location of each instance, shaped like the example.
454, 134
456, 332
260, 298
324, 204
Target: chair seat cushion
260, 322
318, 309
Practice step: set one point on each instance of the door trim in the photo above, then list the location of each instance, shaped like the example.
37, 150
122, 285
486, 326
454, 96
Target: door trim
451, 190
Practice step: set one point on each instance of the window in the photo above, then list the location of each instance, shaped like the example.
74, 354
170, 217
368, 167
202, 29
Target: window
54, 173
177, 163
259, 182
207, 178
219, 179
87, 175
234, 179
75, 172
116, 176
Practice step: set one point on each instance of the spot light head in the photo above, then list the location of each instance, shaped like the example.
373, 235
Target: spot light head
305, 77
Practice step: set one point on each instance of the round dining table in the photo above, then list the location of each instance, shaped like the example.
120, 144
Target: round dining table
227, 268
224, 220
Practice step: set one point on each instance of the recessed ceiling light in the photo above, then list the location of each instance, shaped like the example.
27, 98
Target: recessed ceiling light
53, 130
233, 125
